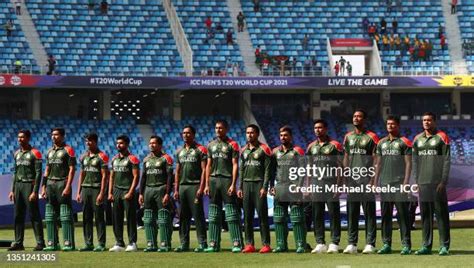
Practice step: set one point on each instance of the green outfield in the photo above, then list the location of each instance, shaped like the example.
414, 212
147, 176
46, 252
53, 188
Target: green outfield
462, 255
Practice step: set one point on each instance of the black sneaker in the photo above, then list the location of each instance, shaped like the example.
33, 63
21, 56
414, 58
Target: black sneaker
16, 247
39, 247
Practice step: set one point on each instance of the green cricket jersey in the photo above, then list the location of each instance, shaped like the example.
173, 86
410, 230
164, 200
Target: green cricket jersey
255, 164
91, 165
431, 158
28, 167
157, 170
326, 154
189, 160
58, 160
122, 167
360, 148
284, 160
392, 159
222, 152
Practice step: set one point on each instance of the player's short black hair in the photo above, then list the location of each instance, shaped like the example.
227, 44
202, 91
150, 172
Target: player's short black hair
321, 121
223, 123
191, 128
433, 115
393, 118
124, 138
360, 110
91, 137
158, 139
61, 131
25, 132
254, 127
286, 128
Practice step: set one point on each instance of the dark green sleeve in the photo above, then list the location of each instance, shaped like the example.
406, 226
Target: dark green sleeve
38, 174
141, 189
273, 166
14, 174
414, 161
241, 173
267, 174
169, 172
72, 161
446, 151
378, 150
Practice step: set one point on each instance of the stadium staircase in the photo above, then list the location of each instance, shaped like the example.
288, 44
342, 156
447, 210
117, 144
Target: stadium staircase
453, 34
32, 37
243, 39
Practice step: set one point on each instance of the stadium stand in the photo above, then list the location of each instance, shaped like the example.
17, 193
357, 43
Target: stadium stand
14, 47
466, 24
213, 54
281, 25
170, 130
134, 38
75, 131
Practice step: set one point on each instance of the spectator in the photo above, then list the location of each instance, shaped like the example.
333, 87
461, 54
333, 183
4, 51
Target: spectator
210, 37
429, 49
411, 50
257, 52
208, 23
392, 42
342, 63
422, 52
399, 5
18, 7
389, 5
443, 42
398, 42
336, 68
204, 72
398, 61
349, 68
219, 28
365, 24
51, 64
454, 4
305, 42
385, 42
104, 7
240, 22
440, 30
223, 72
372, 30
91, 4
377, 40
307, 66
9, 28
235, 69
18, 66
230, 39
394, 26
383, 26
256, 5
265, 65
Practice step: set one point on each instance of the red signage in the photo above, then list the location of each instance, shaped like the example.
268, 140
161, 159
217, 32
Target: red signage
351, 42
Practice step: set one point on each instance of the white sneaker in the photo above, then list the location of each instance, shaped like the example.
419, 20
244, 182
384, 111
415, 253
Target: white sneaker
116, 248
369, 249
333, 248
320, 248
350, 249
131, 248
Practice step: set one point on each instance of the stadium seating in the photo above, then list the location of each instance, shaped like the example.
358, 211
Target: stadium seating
170, 131
281, 25
75, 131
134, 38
206, 56
466, 23
16, 46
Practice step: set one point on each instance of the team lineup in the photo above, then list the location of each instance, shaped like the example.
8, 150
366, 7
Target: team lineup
237, 179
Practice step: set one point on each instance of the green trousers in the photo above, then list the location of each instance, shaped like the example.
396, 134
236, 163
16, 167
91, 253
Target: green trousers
388, 202
91, 210
334, 212
127, 208
252, 201
434, 203
56, 200
22, 205
191, 207
354, 202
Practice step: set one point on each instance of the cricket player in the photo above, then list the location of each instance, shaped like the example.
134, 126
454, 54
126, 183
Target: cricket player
394, 169
359, 146
325, 152
122, 183
190, 180
155, 188
287, 156
24, 193
58, 176
91, 192
255, 171
431, 164
221, 178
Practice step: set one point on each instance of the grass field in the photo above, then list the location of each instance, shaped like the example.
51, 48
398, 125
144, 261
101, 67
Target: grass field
462, 254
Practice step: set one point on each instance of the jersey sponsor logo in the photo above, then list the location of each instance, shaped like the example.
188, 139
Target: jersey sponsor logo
252, 163
384, 146
188, 159
56, 161
154, 171
428, 152
23, 163
358, 151
91, 169
121, 169
420, 143
390, 152
220, 155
